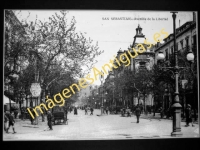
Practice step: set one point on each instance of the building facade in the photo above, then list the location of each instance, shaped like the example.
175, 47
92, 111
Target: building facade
186, 40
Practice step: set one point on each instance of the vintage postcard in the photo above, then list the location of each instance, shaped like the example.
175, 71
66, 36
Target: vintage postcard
100, 75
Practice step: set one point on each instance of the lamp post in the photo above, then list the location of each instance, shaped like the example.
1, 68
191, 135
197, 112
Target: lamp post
176, 107
101, 79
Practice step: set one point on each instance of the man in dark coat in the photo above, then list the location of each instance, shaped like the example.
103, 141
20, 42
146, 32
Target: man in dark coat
91, 110
137, 113
33, 113
188, 114
66, 111
86, 111
15, 113
161, 112
22, 113
75, 111
6, 120
49, 120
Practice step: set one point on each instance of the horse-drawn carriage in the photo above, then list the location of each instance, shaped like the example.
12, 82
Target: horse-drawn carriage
59, 115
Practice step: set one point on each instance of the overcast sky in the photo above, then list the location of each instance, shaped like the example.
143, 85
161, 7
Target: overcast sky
114, 34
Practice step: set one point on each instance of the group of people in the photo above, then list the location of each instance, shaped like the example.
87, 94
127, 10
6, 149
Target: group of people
105, 110
89, 109
9, 117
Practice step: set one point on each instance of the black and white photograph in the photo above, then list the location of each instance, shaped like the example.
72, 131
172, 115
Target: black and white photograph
73, 75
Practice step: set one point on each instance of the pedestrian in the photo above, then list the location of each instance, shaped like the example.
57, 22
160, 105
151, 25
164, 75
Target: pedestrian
107, 110
6, 121
86, 111
137, 113
49, 119
187, 114
66, 111
91, 110
15, 113
154, 110
75, 111
42, 114
128, 112
141, 108
33, 113
192, 117
22, 113
161, 112
11, 122
168, 113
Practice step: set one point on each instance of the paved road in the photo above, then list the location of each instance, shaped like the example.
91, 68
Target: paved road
86, 127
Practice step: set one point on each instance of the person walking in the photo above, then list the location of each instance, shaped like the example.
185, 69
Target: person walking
141, 108
75, 111
11, 122
137, 113
188, 114
107, 110
22, 113
6, 121
43, 114
33, 113
161, 112
66, 111
15, 113
86, 111
91, 110
192, 116
49, 119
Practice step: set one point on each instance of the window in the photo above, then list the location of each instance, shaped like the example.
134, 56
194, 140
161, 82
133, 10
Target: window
194, 44
181, 42
187, 41
172, 50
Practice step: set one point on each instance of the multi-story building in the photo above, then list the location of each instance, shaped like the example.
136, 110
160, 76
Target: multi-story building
89, 95
127, 95
186, 39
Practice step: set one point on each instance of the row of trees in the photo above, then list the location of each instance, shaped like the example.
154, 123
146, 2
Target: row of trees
50, 52
158, 81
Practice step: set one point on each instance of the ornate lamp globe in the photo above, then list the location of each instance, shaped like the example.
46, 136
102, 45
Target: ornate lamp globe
190, 56
160, 56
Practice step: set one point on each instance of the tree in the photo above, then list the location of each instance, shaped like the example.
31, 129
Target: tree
54, 47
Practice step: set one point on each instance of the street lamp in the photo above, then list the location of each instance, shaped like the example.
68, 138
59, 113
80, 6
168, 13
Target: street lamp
101, 79
176, 107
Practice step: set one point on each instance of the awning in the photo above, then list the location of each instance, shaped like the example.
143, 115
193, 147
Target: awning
7, 101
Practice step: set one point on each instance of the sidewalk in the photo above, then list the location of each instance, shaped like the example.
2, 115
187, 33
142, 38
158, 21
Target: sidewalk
157, 116
25, 126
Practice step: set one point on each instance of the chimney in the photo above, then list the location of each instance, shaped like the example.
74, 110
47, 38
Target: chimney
158, 43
